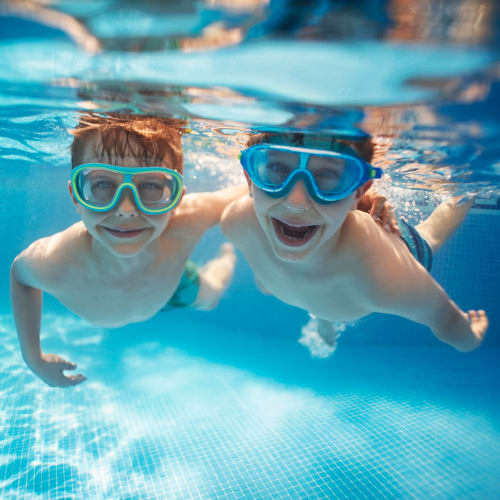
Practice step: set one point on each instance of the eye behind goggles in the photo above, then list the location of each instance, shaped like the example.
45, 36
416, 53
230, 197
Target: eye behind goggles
98, 187
328, 176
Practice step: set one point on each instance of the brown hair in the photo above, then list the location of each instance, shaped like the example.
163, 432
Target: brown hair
362, 147
146, 139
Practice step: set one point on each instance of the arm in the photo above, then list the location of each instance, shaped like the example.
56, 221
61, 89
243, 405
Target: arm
382, 212
26, 301
412, 293
211, 205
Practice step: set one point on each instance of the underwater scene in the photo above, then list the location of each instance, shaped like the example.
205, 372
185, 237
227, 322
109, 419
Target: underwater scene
250, 249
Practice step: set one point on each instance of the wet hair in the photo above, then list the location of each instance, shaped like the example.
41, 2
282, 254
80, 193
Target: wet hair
146, 139
362, 147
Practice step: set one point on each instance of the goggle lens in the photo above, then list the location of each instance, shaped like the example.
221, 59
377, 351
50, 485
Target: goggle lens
330, 174
157, 190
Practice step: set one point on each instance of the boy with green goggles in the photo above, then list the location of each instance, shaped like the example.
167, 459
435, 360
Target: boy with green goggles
128, 257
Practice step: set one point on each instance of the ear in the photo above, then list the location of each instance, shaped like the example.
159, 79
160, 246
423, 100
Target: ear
363, 189
249, 182
73, 199
359, 194
182, 194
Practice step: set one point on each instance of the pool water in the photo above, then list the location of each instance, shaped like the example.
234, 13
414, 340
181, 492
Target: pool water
229, 404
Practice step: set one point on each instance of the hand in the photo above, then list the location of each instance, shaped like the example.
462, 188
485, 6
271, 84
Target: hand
478, 323
50, 368
382, 212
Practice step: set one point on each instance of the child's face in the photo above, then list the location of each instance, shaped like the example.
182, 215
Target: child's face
125, 230
295, 224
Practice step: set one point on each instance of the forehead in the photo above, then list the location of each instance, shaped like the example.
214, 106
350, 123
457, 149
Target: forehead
94, 152
318, 156
311, 141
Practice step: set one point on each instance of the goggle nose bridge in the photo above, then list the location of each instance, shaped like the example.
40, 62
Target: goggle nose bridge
77, 179
299, 174
119, 193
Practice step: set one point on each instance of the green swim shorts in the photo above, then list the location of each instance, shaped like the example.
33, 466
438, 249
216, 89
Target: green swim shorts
188, 288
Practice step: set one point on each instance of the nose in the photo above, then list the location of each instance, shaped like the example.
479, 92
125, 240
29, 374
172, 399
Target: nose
126, 206
298, 197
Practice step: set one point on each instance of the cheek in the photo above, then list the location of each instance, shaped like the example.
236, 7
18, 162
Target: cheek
159, 222
337, 210
90, 218
262, 202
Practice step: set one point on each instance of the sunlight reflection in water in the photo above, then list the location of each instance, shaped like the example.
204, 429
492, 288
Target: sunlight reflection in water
172, 421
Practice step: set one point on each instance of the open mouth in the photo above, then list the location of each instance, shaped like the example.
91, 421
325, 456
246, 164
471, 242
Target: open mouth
293, 236
124, 233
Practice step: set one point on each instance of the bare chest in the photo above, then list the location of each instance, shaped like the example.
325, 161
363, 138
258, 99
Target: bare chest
113, 301
334, 292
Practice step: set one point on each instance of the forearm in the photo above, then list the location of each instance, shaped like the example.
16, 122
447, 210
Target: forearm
221, 199
421, 299
27, 309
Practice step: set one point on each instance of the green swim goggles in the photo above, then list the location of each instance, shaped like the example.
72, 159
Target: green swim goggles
98, 187
328, 176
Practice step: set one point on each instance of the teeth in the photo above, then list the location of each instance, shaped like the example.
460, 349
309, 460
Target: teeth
300, 232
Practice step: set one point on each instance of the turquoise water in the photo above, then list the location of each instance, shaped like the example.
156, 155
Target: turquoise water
228, 404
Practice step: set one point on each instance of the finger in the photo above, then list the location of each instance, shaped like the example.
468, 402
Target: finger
72, 380
472, 315
362, 205
395, 225
377, 207
483, 318
68, 365
386, 217
77, 379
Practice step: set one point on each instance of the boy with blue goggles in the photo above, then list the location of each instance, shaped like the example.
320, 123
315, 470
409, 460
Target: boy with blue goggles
329, 176
331, 259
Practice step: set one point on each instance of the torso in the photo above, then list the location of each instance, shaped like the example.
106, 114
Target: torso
110, 299
339, 289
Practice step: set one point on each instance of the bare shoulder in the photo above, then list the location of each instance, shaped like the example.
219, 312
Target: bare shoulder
187, 216
361, 238
238, 219
45, 261
388, 271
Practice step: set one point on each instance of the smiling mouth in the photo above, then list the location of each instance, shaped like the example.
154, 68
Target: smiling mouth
124, 233
293, 236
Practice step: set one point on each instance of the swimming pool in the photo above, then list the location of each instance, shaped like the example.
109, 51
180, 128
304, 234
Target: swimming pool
228, 404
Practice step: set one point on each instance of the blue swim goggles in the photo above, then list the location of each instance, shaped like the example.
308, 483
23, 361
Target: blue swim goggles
98, 187
328, 176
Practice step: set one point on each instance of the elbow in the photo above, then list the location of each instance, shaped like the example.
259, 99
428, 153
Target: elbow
14, 270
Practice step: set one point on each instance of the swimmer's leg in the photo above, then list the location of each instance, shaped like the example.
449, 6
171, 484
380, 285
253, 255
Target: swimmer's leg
215, 276
438, 228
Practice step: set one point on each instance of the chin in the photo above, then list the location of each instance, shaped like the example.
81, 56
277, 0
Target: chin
290, 255
124, 251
